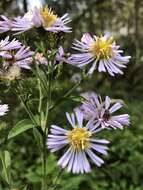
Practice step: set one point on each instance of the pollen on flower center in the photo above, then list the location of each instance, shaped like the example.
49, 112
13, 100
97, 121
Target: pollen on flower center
101, 48
48, 16
79, 138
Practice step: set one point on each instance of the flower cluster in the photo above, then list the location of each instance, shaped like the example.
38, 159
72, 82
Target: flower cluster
94, 115
82, 141
60, 56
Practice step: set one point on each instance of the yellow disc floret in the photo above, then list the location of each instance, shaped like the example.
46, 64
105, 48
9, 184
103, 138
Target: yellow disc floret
101, 48
79, 138
48, 16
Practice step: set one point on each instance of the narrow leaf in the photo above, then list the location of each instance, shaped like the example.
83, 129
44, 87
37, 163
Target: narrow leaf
20, 127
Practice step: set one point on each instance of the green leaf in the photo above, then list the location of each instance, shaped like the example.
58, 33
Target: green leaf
7, 159
20, 127
76, 98
25, 188
5, 162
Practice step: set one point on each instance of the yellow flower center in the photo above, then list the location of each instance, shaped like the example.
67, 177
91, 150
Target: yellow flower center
101, 48
79, 138
48, 16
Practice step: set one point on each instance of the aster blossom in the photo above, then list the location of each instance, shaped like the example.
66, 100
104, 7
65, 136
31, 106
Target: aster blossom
61, 56
13, 52
101, 112
81, 144
41, 17
6, 46
23, 57
3, 109
101, 53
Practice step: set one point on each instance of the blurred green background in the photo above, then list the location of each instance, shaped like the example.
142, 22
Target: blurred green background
123, 169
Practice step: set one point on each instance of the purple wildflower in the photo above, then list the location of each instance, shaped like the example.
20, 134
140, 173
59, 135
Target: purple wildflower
101, 113
43, 17
102, 52
61, 56
6, 45
22, 58
3, 109
81, 142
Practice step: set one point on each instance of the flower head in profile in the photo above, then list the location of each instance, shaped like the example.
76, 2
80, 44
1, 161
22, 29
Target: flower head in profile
6, 46
23, 57
101, 112
101, 53
41, 17
81, 142
14, 53
3, 109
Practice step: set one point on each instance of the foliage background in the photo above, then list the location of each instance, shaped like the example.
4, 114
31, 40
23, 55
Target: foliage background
124, 165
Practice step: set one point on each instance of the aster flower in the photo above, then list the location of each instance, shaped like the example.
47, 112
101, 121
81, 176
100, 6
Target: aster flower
61, 56
41, 17
101, 53
3, 109
22, 58
5, 24
7, 45
101, 112
81, 144
40, 59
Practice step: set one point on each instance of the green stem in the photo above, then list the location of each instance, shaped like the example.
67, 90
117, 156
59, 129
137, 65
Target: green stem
40, 96
44, 183
65, 95
28, 110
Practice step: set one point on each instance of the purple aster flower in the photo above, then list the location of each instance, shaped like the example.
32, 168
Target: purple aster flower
5, 24
101, 53
81, 143
61, 56
3, 109
101, 112
22, 58
6, 45
43, 17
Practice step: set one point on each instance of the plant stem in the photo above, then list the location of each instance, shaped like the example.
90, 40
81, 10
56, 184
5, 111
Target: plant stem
40, 96
44, 184
28, 110
65, 95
